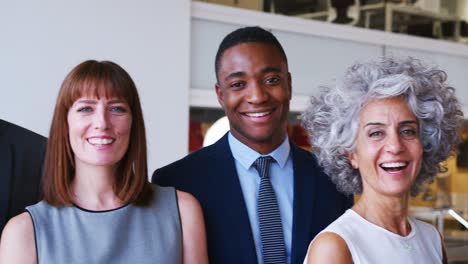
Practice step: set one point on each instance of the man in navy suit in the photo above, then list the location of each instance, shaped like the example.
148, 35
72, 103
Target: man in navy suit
254, 88
21, 157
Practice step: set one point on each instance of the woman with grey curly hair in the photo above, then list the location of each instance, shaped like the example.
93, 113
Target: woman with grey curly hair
382, 132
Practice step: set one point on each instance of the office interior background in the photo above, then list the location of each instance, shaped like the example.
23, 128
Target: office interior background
168, 47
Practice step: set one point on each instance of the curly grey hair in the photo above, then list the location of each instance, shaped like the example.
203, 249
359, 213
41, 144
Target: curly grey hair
332, 118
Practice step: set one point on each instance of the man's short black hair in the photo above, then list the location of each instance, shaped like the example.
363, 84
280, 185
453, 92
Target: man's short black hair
246, 35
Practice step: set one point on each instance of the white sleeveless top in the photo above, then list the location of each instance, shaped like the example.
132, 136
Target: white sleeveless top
369, 243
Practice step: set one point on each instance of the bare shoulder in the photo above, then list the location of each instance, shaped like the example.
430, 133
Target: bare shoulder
190, 210
187, 203
17, 244
19, 226
329, 247
193, 229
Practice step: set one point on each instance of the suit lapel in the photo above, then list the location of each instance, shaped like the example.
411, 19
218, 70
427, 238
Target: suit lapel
304, 192
6, 172
232, 199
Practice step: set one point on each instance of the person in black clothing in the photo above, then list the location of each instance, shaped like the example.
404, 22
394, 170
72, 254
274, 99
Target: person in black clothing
21, 157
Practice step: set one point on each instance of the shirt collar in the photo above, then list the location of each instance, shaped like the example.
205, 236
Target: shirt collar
247, 156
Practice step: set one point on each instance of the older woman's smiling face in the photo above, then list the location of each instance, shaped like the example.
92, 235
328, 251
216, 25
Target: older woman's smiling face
388, 150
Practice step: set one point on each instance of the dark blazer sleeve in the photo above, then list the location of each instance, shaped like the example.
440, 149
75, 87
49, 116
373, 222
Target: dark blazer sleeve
210, 176
20, 170
161, 177
317, 203
176, 174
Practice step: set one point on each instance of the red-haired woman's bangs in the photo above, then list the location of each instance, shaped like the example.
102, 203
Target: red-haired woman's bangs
97, 84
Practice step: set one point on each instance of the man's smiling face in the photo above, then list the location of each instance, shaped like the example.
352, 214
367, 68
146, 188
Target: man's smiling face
254, 89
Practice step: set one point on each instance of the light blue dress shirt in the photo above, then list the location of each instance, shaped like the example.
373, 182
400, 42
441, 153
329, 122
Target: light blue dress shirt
282, 180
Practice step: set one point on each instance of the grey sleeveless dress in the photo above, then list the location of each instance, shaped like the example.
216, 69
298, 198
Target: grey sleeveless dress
128, 234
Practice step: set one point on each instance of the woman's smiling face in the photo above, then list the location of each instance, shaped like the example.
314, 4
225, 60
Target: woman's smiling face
388, 150
99, 130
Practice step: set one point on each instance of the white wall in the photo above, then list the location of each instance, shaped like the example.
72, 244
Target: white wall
41, 41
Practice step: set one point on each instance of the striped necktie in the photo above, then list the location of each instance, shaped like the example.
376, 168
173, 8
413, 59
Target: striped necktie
271, 231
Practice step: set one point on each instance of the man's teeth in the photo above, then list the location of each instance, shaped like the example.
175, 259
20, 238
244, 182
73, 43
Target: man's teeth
100, 141
394, 164
259, 114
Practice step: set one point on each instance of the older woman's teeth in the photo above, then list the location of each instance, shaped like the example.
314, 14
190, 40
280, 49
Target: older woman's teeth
394, 164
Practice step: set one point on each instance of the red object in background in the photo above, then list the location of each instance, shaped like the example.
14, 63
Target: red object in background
298, 136
195, 136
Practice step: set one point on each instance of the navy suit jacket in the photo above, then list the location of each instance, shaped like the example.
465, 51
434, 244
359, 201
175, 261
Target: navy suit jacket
210, 175
21, 157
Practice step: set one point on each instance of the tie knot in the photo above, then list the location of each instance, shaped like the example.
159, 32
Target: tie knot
262, 165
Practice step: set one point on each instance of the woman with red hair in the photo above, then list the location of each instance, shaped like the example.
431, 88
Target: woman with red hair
98, 206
